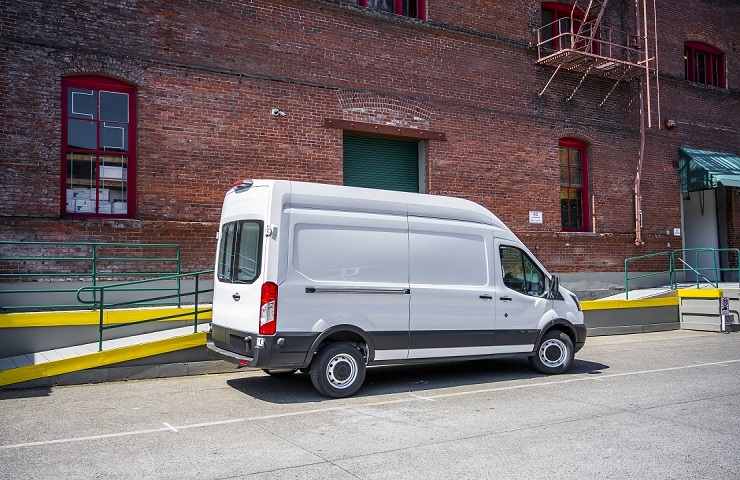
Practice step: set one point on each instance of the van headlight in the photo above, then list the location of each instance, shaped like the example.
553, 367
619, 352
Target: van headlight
575, 299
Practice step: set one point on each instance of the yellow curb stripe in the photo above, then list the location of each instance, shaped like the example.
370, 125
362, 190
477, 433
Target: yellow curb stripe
700, 293
590, 305
99, 359
69, 318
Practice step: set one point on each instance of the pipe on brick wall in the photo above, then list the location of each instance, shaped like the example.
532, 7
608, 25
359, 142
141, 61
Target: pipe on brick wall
638, 173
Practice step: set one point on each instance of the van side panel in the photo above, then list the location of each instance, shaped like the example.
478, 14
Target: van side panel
347, 268
452, 307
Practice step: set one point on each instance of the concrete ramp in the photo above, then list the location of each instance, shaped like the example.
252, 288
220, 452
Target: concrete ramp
619, 316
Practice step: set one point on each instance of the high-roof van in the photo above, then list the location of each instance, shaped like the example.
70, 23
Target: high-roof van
329, 280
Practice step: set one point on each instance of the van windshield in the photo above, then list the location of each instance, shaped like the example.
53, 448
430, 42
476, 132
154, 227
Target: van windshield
240, 251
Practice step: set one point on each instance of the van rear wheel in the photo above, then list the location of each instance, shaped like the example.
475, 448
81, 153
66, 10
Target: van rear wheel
554, 354
338, 370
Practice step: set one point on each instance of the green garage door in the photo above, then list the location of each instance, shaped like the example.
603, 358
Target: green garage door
381, 163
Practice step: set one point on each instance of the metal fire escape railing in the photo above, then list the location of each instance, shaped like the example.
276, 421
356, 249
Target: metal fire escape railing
685, 261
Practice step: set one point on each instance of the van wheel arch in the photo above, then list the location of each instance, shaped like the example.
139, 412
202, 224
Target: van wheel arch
341, 333
559, 324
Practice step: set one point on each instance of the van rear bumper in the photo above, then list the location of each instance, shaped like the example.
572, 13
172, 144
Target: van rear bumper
253, 350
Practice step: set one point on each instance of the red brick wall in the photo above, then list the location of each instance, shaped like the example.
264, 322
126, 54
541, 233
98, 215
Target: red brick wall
208, 74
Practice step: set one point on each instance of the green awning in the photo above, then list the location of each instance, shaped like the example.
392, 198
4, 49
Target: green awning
705, 170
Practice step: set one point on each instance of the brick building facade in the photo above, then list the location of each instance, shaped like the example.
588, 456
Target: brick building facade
227, 90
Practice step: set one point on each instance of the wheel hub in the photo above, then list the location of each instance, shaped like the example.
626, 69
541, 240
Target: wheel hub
553, 353
341, 371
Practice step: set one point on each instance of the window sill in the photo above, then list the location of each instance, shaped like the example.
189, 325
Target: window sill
704, 86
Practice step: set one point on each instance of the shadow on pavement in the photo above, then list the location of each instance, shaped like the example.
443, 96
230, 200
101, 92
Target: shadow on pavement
402, 379
6, 393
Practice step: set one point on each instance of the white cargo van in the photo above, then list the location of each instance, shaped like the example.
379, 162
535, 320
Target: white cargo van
330, 279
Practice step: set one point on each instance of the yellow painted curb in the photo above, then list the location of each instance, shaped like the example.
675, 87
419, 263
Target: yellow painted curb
590, 305
99, 359
700, 293
69, 318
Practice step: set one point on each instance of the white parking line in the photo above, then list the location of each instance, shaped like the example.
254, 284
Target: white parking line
411, 398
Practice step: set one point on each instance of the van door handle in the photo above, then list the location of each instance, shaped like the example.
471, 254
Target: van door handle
236, 297
486, 297
505, 299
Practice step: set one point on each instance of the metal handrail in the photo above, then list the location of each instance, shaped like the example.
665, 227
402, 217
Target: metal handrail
679, 255
98, 301
98, 265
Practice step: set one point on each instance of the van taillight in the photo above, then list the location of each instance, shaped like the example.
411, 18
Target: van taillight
268, 308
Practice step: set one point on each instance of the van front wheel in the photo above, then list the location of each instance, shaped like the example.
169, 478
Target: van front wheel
338, 370
554, 354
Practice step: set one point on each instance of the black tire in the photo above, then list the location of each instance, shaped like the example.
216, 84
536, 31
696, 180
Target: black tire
279, 373
549, 358
338, 370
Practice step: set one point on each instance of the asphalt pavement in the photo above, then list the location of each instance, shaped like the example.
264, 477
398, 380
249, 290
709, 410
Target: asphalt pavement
649, 406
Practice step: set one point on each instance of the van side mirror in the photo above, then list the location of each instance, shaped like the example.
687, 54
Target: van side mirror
554, 291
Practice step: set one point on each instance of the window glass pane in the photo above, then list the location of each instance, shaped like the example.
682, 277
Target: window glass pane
226, 252
80, 191
701, 68
81, 103
571, 208
513, 269
114, 136
81, 134
575, 177
383, 5
114, 107
113, 184
535, 279
248, 252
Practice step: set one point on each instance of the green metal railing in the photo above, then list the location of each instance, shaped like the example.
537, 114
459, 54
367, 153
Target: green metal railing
95, 262
680, 262
99, 292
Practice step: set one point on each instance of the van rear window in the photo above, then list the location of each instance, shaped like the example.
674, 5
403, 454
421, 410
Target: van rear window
240, 251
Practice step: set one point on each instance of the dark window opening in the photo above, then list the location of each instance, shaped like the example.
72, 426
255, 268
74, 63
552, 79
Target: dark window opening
98, 147
574, 198
704, 64
406, 8
240, 251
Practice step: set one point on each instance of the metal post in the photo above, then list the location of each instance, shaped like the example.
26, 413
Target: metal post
626, 280
179, 271
670, 271
714, 261
94, 270
101, 307
195, 307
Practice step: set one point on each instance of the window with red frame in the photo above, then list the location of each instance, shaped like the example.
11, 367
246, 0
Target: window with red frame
704, 64
407, 8
98, 146
556, 16
574, 203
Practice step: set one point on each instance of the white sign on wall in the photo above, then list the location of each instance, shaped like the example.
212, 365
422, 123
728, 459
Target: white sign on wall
676, 232
535, 216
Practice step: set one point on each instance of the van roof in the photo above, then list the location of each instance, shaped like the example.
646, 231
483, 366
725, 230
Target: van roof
322, 196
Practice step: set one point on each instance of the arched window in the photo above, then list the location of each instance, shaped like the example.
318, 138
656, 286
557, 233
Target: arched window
704, 64
574, 197
98, 147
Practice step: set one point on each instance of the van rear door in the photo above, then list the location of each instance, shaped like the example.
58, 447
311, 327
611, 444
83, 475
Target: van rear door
240, 261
